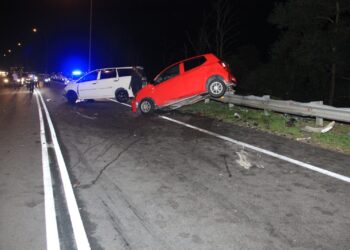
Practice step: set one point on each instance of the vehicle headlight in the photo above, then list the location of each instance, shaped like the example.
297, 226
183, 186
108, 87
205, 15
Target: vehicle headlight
6, 80
18, 80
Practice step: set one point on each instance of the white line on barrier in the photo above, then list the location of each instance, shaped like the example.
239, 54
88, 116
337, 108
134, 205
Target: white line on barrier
80, 236
52, 238
261, 150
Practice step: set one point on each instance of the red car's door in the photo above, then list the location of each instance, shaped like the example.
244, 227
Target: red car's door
168, 85
194, 76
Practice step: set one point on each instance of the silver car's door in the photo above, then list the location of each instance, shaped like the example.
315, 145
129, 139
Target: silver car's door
107, 83
87, 85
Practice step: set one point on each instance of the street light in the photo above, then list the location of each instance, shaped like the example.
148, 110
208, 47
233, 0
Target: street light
9, 51
19, 44
35, 30
90, 37
4, 55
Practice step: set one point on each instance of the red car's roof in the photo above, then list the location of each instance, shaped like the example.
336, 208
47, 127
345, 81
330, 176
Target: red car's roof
210, 59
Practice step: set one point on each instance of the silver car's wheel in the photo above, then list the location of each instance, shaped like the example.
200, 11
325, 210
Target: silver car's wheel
122, 96
71, 97
217, 88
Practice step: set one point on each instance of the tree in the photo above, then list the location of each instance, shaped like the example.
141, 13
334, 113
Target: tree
226, 27
218, 32
312, 53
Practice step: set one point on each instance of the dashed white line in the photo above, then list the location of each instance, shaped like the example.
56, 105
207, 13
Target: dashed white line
255, 148
52, 238
80, 235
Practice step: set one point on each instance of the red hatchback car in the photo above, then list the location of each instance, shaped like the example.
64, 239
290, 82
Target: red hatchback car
199, 75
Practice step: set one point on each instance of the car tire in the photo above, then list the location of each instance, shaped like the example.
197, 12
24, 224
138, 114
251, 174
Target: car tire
71, 97
216, 88
146, 106
121, 95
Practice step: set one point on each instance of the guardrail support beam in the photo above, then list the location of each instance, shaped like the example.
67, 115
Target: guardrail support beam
311, 109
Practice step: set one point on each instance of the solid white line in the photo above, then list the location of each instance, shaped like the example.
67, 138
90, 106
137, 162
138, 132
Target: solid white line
261, 150
80, 236
264, 151
125, 104
52, 238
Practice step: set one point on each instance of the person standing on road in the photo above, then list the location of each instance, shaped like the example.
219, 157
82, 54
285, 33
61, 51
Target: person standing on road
136, 80
31, 85
14, 80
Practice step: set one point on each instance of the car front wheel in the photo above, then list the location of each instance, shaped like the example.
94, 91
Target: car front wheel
216, 88
146, 106
72, 97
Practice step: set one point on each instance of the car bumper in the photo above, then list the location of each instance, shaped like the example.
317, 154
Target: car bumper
134, 105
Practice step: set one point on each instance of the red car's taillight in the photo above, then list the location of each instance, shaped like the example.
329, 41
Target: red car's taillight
234, 80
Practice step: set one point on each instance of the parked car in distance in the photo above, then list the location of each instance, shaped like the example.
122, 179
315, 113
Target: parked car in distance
200, 75
102, 83
57, 80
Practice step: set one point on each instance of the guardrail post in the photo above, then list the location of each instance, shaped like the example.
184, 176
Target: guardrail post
231, 105
319, 122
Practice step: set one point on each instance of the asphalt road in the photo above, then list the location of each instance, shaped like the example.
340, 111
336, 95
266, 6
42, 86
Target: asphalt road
147, 183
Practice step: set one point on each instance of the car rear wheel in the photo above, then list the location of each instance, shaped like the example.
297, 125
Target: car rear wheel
146, 106
122, 96
216, 88
72, 97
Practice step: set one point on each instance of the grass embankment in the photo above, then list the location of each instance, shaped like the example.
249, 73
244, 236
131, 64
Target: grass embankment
285, 125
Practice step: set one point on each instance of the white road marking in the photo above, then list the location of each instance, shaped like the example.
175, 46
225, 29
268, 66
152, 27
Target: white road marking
257, 149
125, 104
52, 238
264, 151
80, 236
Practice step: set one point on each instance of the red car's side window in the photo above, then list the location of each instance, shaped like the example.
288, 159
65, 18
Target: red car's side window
168, 74
194, 63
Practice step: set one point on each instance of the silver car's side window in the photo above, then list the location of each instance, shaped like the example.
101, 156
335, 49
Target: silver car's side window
108, 74
89, 77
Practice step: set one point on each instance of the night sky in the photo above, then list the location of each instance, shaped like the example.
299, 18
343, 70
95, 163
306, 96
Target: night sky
151, 33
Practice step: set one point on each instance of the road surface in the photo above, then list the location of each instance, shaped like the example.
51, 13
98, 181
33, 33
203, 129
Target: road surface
149, 183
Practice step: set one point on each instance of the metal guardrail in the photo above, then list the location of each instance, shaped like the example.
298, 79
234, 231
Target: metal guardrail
313, 109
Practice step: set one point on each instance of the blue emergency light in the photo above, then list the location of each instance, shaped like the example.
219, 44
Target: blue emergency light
77, 72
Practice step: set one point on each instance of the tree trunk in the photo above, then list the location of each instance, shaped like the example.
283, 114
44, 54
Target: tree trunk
334, 50
332, 88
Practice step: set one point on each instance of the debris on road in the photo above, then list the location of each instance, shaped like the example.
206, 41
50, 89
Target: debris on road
247, 164
323, 130
76, 184
243, 160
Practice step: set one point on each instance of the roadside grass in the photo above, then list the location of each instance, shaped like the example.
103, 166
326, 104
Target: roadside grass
281, 124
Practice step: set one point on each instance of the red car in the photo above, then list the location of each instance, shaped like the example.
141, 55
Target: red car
199, 75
